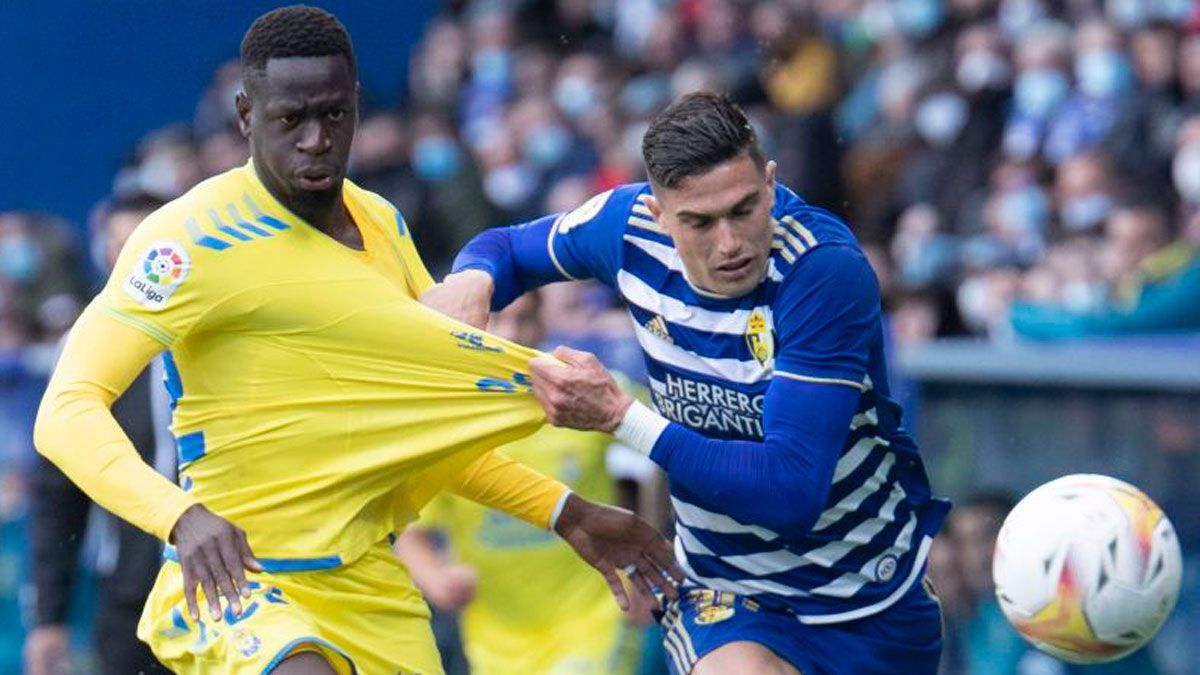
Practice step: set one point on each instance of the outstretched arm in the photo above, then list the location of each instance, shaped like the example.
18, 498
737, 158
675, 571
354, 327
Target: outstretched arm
607, 538
75, 429
501, 264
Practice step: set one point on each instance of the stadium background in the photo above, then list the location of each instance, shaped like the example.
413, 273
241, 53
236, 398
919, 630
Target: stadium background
982, 185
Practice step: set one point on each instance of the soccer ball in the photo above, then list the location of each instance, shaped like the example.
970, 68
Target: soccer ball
1087, 568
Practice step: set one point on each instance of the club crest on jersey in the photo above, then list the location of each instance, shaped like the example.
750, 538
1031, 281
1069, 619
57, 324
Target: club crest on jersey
759, 337
159, 273
713, 614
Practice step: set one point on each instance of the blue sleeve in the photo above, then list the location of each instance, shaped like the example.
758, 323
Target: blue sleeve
825, 315
581, 244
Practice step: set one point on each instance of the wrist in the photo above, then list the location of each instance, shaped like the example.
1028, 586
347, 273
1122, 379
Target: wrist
476, 273
567, 513
640, 427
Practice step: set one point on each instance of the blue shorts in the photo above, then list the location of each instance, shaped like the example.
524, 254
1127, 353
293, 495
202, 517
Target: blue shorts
904, 638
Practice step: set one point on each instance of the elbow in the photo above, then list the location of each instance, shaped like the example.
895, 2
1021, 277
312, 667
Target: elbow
45, 440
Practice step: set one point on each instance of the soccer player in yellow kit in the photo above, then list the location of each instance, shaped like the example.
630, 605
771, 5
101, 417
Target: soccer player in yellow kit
317, 404
528, 605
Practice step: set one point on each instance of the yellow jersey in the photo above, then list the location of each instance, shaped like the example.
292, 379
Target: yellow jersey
538, 607
317, 404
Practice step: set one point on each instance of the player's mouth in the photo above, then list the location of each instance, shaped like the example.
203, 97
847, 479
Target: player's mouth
736, 268
315, 179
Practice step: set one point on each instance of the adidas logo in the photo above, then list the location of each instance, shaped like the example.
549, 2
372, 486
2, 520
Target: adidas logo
658, 328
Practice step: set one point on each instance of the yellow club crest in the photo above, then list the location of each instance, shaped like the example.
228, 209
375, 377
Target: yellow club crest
713, 614
759, 337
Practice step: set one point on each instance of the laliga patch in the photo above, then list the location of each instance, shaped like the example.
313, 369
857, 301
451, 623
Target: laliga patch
590, 209
159, 273
885, 569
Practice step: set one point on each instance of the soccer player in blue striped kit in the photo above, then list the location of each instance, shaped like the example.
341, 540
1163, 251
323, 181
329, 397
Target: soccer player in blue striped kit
803, 510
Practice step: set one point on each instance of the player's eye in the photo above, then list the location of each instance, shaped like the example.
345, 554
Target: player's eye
289, 120
337, 115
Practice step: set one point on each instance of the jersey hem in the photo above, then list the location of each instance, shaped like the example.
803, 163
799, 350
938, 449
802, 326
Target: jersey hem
862, 612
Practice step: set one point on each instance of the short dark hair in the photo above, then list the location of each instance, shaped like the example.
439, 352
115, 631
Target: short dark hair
133, 202
297, 30
695, 134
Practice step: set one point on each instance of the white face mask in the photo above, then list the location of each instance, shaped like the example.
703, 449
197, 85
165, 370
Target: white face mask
982, 69
1185, 172
940, 118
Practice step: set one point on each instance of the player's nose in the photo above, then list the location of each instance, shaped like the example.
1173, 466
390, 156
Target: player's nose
314, 138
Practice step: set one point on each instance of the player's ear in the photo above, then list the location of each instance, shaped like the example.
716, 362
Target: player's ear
769, 172
242, 102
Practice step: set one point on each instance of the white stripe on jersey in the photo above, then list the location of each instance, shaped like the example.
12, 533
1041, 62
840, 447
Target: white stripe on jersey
854, 458
700, 519
848, 584
730, 370
917, 568
862, 533
675, 311
850, 503
669, 257
775, 562
746, 587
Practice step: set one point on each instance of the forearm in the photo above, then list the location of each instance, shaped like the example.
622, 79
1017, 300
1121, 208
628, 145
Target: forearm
416, 549
781, 482
501, 483
77, 432
517, 258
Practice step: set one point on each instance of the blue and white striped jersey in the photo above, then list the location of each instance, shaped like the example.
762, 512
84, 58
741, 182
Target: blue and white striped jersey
710, 362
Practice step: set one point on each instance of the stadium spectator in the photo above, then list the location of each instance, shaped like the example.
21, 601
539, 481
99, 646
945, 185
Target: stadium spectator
1156, 284
128, 559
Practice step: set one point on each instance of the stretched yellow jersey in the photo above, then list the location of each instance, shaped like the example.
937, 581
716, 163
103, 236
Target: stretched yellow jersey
317, 405
538, 608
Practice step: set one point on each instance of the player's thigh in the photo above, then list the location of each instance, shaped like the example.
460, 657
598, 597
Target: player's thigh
305, 663
743, 658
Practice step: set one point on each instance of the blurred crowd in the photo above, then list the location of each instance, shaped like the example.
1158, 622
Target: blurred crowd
1013, 168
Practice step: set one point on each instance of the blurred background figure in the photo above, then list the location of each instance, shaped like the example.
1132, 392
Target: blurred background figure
527, 606
126, 559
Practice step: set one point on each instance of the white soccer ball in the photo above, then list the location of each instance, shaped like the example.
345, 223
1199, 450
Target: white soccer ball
1087, 568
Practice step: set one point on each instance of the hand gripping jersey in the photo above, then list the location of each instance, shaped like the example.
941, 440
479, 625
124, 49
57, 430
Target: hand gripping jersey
317, 404
711, 361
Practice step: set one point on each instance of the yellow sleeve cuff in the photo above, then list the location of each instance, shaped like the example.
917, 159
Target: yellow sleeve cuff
499, 482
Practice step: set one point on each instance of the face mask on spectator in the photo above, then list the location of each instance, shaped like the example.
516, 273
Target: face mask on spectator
1185, 172
1038, 92
1083, 296
981, 69
510, 185
491, 66
547, 146
20, 259
436, 158
1015, 16
918, 18
1084, 213
1102, 74
1024, 209
575, 96
940, 118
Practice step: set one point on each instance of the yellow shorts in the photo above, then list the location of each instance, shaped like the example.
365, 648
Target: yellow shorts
366, 617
